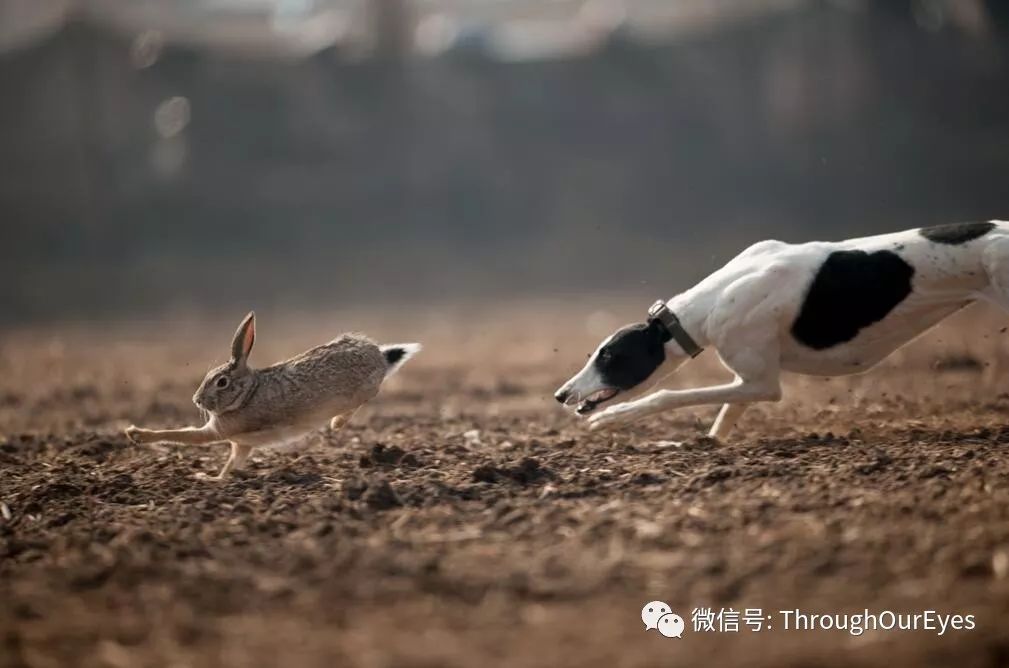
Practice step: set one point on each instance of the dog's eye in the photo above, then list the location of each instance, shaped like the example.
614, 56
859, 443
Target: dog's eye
222, 382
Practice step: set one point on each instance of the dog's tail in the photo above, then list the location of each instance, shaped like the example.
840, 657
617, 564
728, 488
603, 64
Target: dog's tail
396, 355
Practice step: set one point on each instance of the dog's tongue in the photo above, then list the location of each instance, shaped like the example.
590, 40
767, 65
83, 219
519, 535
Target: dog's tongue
595, 399
601, 395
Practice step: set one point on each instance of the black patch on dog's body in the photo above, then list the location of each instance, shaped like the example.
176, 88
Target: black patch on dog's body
851, 290
632, 355
956, 233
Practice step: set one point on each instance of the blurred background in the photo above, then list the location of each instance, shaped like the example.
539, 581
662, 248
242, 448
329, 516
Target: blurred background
322, 154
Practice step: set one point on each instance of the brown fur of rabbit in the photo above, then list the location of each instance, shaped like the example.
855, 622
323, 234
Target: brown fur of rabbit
278, 404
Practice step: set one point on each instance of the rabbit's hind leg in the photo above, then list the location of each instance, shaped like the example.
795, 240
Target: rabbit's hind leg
340, 421
236, 460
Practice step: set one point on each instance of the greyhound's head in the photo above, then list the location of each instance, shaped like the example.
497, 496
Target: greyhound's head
621, 365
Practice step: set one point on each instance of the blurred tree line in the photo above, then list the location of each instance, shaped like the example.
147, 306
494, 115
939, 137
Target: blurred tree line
139, 176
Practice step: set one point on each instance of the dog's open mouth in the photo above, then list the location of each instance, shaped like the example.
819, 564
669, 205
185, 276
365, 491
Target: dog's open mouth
591, 402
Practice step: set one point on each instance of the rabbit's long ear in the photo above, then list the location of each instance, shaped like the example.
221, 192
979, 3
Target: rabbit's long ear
241, 345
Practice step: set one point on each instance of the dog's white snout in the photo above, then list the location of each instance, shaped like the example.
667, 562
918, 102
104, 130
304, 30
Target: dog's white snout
562, 395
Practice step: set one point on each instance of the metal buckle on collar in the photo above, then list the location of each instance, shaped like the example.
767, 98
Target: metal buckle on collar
661, 313
655, 311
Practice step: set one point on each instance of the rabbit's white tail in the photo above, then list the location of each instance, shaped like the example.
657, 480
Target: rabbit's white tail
396, 354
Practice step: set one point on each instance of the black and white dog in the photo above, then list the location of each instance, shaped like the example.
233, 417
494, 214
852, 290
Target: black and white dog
819, 308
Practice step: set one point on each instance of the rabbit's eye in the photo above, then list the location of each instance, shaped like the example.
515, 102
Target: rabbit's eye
222, 382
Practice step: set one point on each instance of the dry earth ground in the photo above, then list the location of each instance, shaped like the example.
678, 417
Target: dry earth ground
463, 519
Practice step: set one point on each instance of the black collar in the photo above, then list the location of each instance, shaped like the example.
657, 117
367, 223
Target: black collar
661, 314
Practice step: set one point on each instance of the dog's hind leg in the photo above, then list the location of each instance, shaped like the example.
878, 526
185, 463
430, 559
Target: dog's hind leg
995, 260
726, 420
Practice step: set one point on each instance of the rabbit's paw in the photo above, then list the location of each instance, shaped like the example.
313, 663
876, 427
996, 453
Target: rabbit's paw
206, 476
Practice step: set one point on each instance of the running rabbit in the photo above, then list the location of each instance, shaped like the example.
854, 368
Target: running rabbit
255, 407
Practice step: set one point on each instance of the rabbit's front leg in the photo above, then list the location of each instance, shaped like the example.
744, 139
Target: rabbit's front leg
187, 435
239, 453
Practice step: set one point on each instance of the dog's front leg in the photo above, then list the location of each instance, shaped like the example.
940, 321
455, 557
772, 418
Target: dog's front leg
741, 391
743, 327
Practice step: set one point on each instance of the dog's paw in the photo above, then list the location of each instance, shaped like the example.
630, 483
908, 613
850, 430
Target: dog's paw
615, 416
137, 435
207, 477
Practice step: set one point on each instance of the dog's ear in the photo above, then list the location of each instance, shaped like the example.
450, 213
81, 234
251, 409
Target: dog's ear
245, 336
